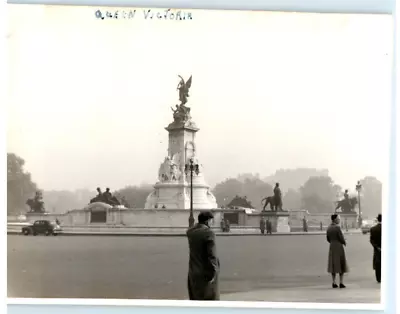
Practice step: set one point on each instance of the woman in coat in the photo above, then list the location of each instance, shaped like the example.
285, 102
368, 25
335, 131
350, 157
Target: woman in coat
337, 263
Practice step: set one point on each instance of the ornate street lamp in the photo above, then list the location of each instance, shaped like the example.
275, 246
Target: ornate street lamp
189, 169
358, 189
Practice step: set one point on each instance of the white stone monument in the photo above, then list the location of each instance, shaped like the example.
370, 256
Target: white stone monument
172, 191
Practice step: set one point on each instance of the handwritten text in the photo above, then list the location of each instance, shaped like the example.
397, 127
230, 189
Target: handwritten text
147, 14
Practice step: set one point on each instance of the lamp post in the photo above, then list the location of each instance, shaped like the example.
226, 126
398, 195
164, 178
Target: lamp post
337, 201
358, 189
189, 169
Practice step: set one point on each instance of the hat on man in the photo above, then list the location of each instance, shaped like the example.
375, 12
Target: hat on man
379, 218
205, 215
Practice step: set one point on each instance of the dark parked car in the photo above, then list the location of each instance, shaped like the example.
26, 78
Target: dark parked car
41, 227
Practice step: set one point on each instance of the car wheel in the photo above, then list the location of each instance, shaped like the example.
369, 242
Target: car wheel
25, 232
54, 233
48, 232
34, 233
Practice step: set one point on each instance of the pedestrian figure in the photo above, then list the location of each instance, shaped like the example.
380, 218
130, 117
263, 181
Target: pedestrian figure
223, 226
376, 241
227, 226
337, 263
204, 264
346, 225
305, 225
320, 225
262, 225
269, 227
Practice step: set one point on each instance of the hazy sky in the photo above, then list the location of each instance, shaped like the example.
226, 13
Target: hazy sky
89, 99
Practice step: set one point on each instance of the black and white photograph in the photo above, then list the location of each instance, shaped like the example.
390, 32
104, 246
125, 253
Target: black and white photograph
201, 155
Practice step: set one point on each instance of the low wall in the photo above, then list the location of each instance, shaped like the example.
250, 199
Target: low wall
314, 220
130, 217
178, 218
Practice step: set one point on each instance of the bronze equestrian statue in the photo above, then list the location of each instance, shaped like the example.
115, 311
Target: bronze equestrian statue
347, 205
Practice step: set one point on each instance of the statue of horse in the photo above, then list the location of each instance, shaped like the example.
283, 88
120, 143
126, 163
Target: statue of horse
347, 205
271, 201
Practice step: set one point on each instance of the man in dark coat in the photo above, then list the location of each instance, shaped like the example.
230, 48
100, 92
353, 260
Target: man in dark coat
376, 241
203, 261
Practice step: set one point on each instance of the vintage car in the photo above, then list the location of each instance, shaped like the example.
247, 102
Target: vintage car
41, 227
366, 225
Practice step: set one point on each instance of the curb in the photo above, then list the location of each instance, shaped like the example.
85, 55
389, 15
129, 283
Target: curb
173, 234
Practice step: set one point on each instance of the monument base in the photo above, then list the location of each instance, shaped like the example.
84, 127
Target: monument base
100, 215
177, 196
278, 219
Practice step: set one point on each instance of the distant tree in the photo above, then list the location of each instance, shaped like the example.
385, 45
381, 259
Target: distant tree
294, 178
250, 186
319, 194
20, 186
248, 176
255, 190
292, 199
134, 196
225, 191
239, 201
371, 196
63, 201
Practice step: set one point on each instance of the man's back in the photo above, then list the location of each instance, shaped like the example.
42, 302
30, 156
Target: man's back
203, 264
202, 250
376, 236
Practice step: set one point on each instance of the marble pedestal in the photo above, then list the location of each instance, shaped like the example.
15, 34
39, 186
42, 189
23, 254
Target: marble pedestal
279, 220
177, 196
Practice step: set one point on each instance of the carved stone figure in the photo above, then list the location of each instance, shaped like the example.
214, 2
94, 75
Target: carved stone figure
181, 113
36, 204
169, 169
175, 172
183, 88
164, 171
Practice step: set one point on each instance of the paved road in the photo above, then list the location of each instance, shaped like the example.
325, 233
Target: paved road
155, 268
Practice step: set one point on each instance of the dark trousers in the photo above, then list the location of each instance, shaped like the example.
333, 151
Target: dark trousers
377, 265
378, 274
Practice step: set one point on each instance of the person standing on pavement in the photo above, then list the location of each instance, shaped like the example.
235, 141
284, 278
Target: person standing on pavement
337, 263
269, 226
305, 225
227, 226
262, 225
204, 265
376, 241
223, 225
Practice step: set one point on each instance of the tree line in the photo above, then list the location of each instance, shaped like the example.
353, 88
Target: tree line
303, 188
